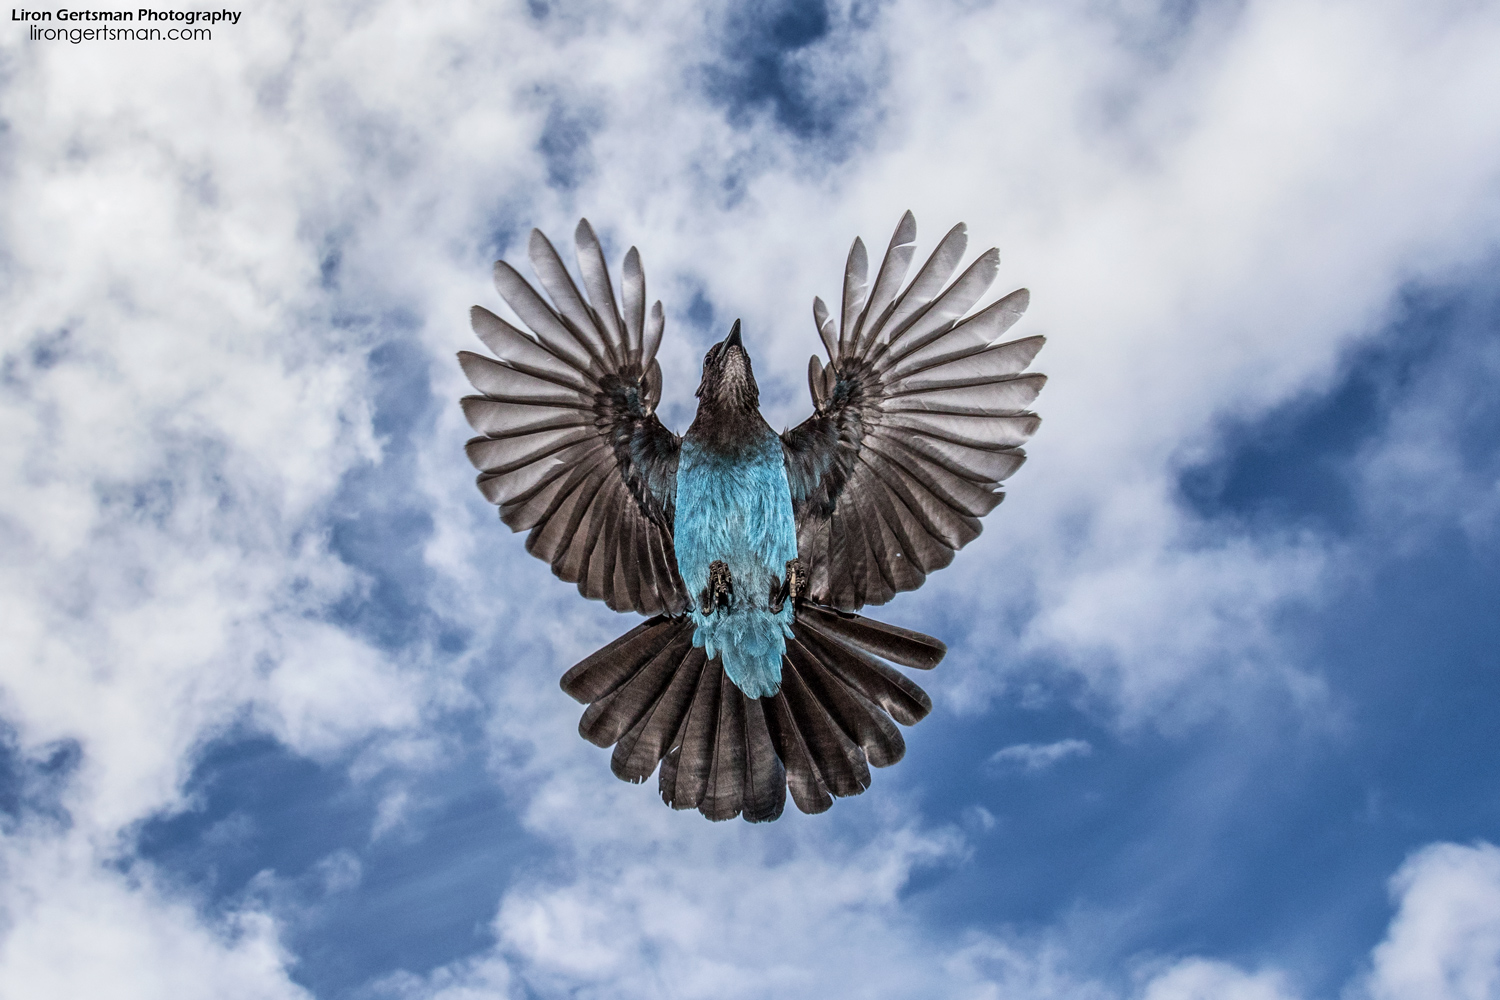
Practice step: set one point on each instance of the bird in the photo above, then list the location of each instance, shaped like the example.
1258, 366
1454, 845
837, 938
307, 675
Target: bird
750, 553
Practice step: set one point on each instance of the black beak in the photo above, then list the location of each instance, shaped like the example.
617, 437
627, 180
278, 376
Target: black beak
733, 340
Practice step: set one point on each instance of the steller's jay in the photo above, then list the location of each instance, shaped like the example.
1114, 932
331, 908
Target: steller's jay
750, 550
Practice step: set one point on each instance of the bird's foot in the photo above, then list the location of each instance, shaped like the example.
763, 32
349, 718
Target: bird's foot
720, 590
793, 587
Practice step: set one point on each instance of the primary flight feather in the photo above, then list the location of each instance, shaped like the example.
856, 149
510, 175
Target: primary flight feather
750, 550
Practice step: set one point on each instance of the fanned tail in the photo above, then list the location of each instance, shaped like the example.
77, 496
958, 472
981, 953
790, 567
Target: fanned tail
656, 698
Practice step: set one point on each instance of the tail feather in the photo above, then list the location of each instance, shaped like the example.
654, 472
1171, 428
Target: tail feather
802, 778
839, 760
658, 699
639, 750
765, 776
724, 792
611, 717
890, 642
607, 668
855, 715
685, 781
904, 701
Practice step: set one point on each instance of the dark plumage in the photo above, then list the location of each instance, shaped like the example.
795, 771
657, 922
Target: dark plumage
749, 550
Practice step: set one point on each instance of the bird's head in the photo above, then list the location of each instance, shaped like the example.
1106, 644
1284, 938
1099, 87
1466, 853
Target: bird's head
728, 382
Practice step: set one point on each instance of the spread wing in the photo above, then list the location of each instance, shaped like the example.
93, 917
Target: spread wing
920, 415
569, 444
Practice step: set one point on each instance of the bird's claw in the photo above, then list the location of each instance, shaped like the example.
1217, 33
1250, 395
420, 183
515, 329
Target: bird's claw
720, 590
793, 586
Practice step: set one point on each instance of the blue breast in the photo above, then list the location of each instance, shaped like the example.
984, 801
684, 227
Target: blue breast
738, 507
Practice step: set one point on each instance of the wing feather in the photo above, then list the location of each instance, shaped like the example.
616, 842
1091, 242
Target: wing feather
920, 415
634, 291
499, 418
570, 447
505, 454
929, 280
824, 323
855, 272
504, 382
654, 327
939, 316
601, 293
554, 276
539, 317
978, 333
893, 268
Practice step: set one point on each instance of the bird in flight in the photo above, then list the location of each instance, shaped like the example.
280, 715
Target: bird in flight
750, 550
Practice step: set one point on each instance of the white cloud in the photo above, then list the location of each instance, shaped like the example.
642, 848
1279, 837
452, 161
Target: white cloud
74, 928
848, 938
1201, 238
1426, 472
721, 924
1198, 979
1444, 943
1040, 756
1206, 215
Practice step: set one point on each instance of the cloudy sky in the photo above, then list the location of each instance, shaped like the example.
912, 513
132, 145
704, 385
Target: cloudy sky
279, 714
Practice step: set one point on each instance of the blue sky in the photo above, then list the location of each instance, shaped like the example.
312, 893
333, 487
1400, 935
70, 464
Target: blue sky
279, 713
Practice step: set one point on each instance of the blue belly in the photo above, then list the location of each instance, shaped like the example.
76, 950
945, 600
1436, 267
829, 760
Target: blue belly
738, 508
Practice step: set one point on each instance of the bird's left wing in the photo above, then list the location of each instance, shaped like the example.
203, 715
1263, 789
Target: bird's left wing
920, 414
569, 444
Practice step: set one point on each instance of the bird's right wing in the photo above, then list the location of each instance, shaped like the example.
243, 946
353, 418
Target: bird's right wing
920, 416
569, 444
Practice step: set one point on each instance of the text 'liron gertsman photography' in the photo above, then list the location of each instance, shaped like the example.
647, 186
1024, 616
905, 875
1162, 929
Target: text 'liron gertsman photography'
66, 24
